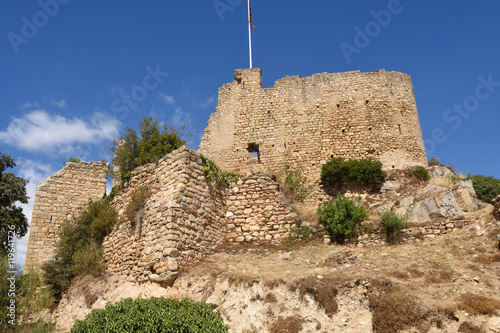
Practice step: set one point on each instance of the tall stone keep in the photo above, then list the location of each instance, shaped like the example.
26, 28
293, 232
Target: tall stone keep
309, 120
56, 199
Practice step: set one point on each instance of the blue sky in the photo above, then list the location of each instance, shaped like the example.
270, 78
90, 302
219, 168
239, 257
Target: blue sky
74, 73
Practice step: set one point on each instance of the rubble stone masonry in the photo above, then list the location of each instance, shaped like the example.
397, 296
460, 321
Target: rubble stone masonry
56, 199
312, 119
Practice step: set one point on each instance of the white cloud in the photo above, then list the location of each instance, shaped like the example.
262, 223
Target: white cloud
34, 172
180, 118
29, 105
166, 98
207, 103
61, 104
39, 131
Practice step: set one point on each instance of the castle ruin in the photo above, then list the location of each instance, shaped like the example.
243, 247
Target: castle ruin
313, 119
305, 120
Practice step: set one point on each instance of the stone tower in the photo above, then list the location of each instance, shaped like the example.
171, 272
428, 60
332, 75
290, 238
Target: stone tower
313, 119
56, 199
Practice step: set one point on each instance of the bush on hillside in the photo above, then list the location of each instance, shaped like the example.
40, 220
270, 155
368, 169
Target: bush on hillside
419, 172
155, 141
487, 188
341, 217
364, 172
433, 161
78, 250
391, 224
153, 315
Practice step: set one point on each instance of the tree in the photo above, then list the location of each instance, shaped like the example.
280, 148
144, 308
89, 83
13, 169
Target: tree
155, 141
12, 191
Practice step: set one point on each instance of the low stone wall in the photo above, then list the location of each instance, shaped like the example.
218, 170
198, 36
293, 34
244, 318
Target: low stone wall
183, 217
257, 211
376, 237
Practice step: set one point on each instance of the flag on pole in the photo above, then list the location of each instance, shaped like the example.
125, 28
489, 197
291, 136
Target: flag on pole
250, 15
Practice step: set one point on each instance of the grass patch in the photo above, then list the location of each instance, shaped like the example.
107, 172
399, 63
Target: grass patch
477, 304
323, 290
292, 324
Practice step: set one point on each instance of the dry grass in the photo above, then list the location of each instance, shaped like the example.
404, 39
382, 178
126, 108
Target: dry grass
323, 290
476, 304
393, 312
442, 181
468, 327
306, 213
287, 325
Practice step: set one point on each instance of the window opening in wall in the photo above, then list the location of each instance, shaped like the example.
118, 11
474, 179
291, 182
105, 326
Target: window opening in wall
253, 148
343, 130
52, 219
338, 105
367, 101
399, 127
243, 85
369, 128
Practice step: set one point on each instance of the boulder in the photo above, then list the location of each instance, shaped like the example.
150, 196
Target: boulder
496, 207
440, 172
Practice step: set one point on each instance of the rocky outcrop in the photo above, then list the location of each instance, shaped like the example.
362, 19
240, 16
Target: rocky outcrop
496, 207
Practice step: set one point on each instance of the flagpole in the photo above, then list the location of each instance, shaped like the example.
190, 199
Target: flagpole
249, 34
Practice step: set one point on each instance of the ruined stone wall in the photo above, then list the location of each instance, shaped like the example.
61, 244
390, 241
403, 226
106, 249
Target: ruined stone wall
56, 199
257, 211
352, 115
183, 218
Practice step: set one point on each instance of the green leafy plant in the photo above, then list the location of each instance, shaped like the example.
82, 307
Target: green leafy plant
12, 192
75, 159
391, 224
114, 191
341, 217
419, 172
487, 188
153, 315
137, 203
78, 250
154, 141
433, 161
364, 172
213, 172
295, 182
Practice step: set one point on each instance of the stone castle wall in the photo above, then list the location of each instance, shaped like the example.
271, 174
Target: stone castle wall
183, 218
257, 211
56, 199
312, 119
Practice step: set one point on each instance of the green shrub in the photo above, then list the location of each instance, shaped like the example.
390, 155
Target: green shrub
114, 191
75, 159
419, 172
153, 315
433, 161
295, 182
137, 202
487, 188
391, 224
213, 172
34, 296
155, 141
341, 217
85, 231
364, 172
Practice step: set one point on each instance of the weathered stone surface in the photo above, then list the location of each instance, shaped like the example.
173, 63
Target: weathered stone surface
58, 197
440, 172
314, 119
